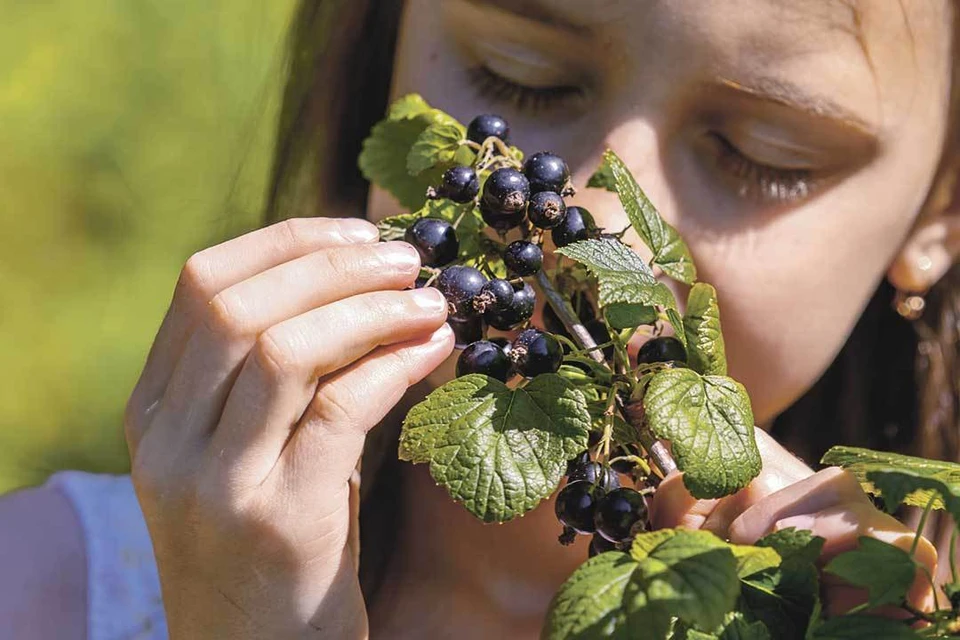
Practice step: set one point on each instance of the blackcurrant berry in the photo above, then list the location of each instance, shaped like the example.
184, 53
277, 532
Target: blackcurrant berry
521, 310
466, 331
597, 473
523, 258
546, 209
576, 504
619, 514
503, 343
577, 225
487, 125
546, 172
501, 221
461, 285
486, 358
496, 296
536, 352
506, 191
435, 240
662, 349
576, 463
459, 184
599, 544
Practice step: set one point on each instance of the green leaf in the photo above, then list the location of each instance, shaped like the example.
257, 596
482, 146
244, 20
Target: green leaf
673, 317
621, 274
670, 252
863, 627
901, 479
624, 315
591, 604
383, 158
751, 560
690, 574
885, 571
736, 627
706, 352
785, 597
498, 451
438, 144
709, 422
602, 178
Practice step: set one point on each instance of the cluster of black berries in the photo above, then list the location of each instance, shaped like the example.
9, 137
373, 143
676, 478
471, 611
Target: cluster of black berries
531, 200
593, 502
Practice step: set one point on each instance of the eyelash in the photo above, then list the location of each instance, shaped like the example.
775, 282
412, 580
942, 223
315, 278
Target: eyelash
493, 86
760, 181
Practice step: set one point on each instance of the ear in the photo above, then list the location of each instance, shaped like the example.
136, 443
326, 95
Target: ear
933, 245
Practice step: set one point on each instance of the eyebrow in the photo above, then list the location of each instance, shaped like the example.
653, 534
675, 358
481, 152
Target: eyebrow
531, 10
784, 92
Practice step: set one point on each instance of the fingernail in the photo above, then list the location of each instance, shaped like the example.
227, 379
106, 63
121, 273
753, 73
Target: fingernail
800, 523
429, 299
359, 230
442, 334
400, 255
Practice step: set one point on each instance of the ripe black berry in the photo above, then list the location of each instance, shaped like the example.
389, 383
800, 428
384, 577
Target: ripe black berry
546, 209
435, 240
501, 221
662, 349
577, 225
619, 514
523, 258
576, 463
466, 331
486, 358
521, 310
459, 184
599, 544
536, 352
496, 296
576, 504
504, 344
487, 125
506, 191
597, 473
460, 285
546, 172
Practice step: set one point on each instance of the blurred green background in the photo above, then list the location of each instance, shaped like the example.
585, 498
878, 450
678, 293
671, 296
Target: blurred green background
132, 133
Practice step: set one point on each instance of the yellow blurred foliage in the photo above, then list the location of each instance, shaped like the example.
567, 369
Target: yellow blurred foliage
132, 133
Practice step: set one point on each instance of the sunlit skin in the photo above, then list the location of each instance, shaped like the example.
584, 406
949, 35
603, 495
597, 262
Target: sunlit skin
849, 103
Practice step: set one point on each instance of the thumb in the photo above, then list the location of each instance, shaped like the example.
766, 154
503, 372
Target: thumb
673, 506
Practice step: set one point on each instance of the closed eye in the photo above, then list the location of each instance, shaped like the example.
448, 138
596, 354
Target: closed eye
496, 88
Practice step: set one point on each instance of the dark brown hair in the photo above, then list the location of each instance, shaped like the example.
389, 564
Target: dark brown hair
894, 385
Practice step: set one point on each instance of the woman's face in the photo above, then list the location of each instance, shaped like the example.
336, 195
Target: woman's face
791, 143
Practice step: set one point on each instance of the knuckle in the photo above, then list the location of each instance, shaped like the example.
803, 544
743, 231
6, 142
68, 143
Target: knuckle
335, 405
274, 355
227, 315
196, 276
342, 262
292, 232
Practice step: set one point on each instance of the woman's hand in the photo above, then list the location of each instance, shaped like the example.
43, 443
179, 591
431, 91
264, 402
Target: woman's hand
280, 350
787, 493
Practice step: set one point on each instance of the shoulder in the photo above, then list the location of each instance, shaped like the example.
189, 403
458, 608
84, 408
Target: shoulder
43, 584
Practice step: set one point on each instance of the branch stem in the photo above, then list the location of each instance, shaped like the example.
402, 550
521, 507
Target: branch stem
561, 306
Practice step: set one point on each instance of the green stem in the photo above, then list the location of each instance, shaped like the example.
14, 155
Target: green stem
923, 523
658, 452
953, 554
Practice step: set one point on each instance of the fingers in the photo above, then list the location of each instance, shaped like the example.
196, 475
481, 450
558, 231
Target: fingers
212, 270
830, 487
279, 379
842, 526
673, 506
235, 317
329, 439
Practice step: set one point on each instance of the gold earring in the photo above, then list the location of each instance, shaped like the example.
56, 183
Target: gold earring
910, 305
